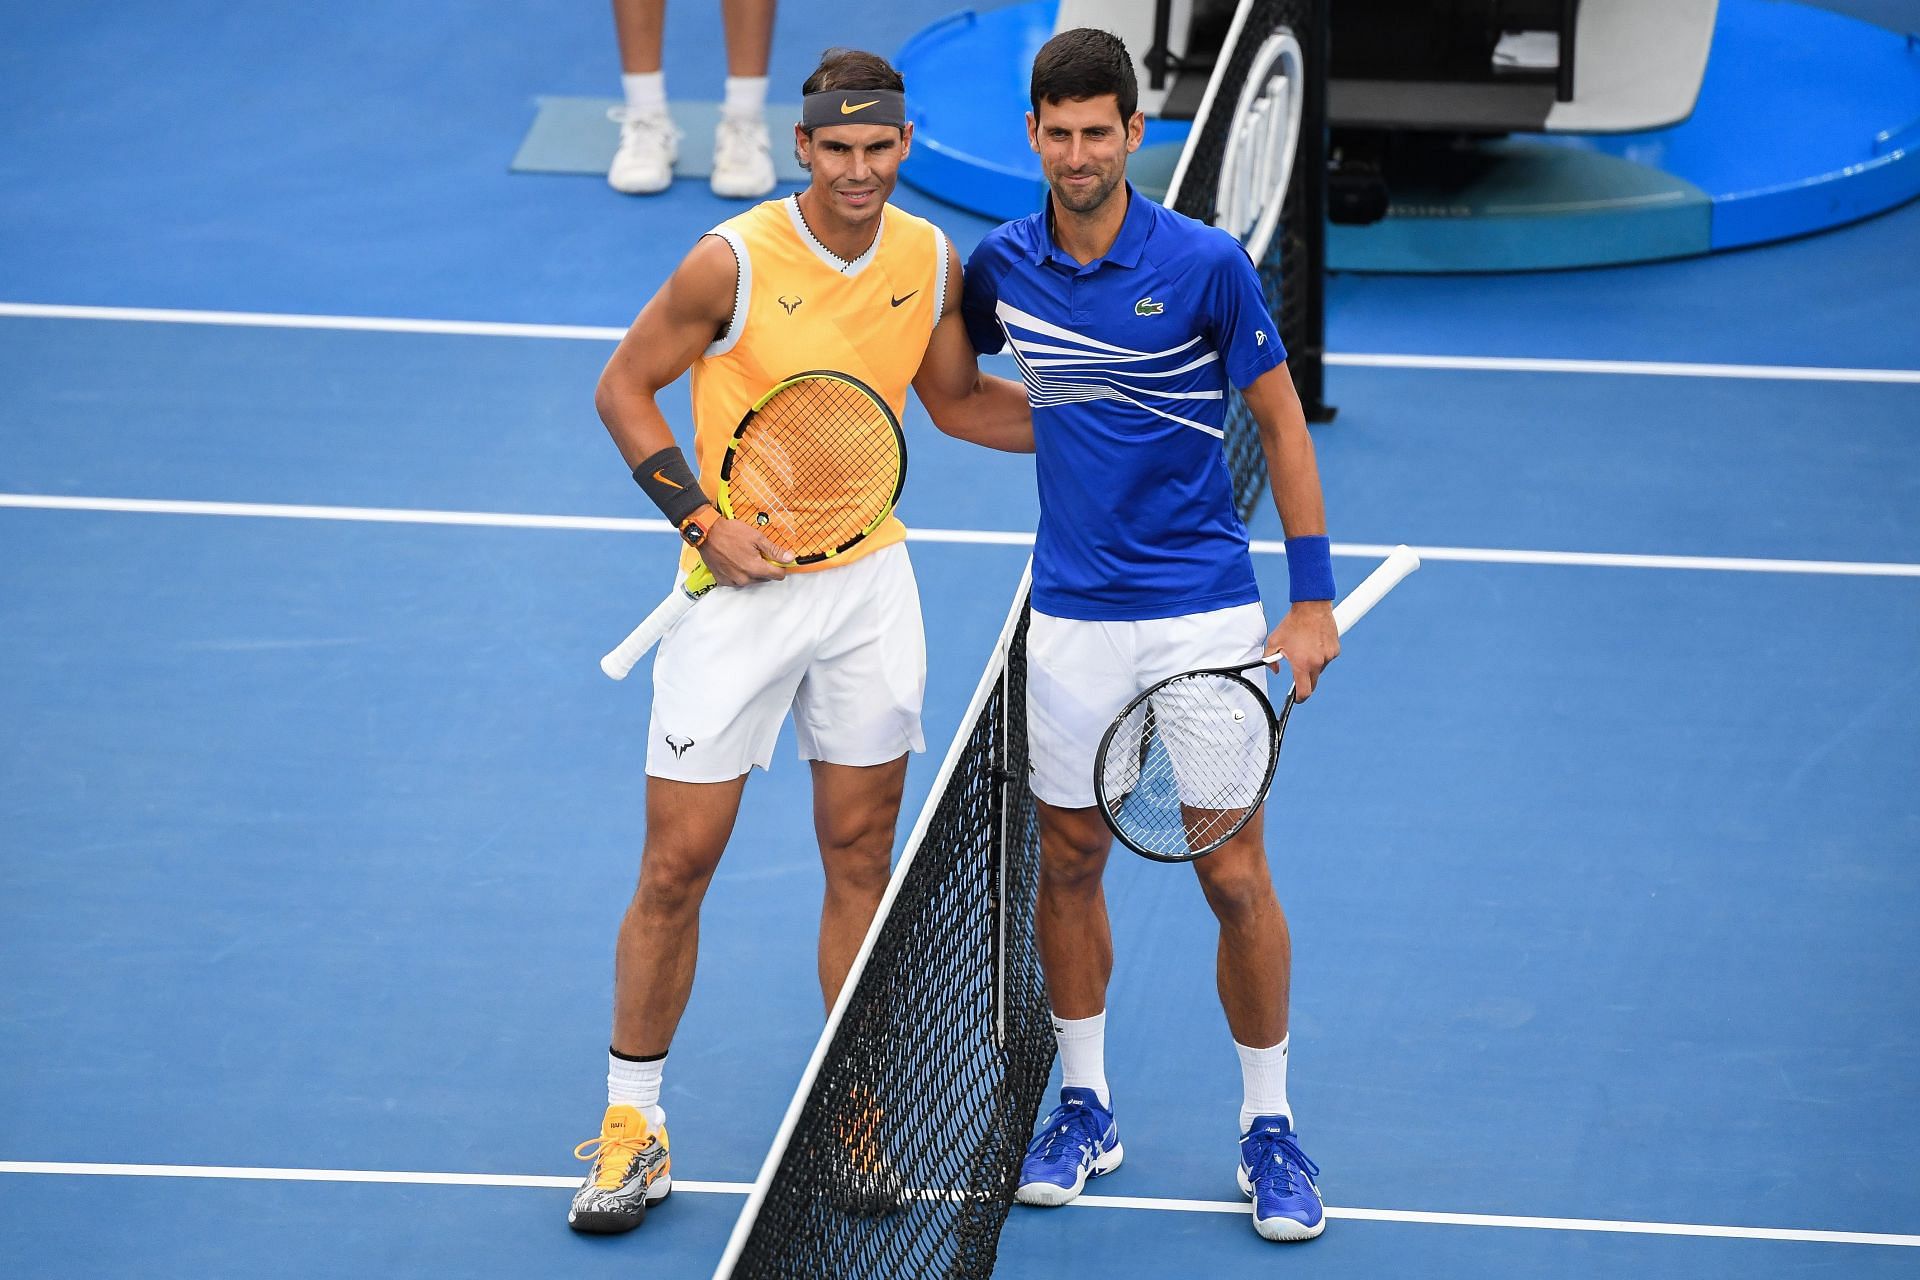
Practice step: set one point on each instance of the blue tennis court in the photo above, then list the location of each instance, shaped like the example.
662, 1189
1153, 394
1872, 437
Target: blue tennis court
1601, 845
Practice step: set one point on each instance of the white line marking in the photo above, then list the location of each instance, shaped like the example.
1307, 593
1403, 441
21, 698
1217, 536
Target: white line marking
1615, 560
372, 515
89, 1169
327, 1175
269, 320
1509, 1220
1646, 368
606, 333
974, 537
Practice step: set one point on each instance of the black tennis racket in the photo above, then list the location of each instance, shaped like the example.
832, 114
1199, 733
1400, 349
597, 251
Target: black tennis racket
1185, 766
817, 464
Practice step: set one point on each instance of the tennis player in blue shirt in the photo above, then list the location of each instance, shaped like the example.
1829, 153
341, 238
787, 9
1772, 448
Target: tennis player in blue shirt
1128, 321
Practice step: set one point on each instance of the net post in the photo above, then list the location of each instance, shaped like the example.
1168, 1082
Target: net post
1292, 266
1310, 378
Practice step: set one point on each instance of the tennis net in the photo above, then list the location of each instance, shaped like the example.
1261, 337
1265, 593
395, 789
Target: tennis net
899, 1154
1256, 165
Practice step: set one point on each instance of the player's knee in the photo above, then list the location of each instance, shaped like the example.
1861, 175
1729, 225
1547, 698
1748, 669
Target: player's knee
1072, 871
1236, 893
1073, 849
858, 867
673, 879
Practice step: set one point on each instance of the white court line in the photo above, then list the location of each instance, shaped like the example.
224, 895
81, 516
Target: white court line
1084, 1202
604, 333
1647, 368
977, 537
243, 1174
274, 320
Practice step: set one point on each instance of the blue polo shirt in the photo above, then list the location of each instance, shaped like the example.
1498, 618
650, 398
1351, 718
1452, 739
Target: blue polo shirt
1126, 362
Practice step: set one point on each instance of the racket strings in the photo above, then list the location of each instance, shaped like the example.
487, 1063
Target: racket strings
818, 466
1188, 764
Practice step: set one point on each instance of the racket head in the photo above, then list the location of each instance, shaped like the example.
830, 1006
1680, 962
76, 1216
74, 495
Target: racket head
1185, 766
816, 464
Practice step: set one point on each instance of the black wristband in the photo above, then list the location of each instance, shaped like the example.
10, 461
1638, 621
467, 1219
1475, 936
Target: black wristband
668, 480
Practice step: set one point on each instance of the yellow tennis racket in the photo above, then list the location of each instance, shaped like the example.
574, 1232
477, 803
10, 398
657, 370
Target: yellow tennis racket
816, 464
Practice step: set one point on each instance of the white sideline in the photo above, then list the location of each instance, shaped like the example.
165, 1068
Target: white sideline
979, 537
606, 333
75, 1168
1645, 368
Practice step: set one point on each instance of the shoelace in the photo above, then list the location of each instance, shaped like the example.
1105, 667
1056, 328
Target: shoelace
1272, 1156
1067, 1126
610, 1173
737, 141
631, 122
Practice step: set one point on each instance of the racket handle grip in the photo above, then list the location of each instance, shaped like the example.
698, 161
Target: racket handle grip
622, 657
1374, 587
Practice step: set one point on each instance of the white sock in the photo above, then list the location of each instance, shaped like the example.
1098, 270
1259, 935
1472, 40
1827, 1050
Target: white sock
1263, 1079
637, 1084
646, 92
1083, 1053
746, 97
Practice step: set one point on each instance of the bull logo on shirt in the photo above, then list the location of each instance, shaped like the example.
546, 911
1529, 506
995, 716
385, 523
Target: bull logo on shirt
1148, 307
789, 303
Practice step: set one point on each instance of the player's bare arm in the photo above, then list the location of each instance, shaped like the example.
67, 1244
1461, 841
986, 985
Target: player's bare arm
1307, 634
670, 332
962, 401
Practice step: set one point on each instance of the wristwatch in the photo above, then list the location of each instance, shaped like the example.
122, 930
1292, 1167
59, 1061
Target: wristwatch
695, 528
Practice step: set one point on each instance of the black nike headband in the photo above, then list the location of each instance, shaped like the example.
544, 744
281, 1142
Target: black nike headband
853, 106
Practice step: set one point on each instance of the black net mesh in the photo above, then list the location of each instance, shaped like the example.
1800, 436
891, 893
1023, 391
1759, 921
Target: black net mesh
905, 1155
1292, 270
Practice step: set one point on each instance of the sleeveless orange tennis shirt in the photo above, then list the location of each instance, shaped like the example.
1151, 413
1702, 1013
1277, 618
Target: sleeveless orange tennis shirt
798, 307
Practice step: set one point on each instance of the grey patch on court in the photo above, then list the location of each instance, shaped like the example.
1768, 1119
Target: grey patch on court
575, 135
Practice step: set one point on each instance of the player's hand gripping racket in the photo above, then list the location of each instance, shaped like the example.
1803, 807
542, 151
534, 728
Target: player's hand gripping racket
1186, 765
816, 465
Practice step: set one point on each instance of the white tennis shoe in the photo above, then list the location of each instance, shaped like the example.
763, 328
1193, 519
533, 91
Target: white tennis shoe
649, 144
742, 158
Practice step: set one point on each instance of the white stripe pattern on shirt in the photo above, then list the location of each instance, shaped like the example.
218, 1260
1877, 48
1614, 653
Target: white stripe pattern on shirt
1087, 369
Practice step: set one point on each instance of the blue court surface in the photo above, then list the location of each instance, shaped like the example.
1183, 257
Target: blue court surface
1601, 843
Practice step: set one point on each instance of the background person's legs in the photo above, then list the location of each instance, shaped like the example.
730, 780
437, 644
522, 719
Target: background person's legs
649, 143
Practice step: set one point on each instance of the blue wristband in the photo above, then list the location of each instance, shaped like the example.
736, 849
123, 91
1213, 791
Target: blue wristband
1309, 569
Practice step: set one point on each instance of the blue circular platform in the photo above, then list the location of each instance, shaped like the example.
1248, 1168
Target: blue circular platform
1806, 120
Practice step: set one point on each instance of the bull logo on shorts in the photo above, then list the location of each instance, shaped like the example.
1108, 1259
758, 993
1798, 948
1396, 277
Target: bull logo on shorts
679, 745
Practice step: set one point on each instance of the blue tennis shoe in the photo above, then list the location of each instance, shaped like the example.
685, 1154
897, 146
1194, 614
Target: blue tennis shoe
1277, 1176
1077, 1142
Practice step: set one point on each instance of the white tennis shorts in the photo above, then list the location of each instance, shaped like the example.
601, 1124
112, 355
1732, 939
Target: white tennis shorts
1080, 674
842, 647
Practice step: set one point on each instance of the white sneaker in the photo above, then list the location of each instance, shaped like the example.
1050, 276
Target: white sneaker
649, 144
742, 158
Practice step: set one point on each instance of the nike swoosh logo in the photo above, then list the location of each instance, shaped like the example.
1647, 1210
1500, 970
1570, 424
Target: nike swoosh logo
848, 108
661, 477
897, 301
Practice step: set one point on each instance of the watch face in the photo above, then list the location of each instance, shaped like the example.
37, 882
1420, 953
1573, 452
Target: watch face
693, 532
